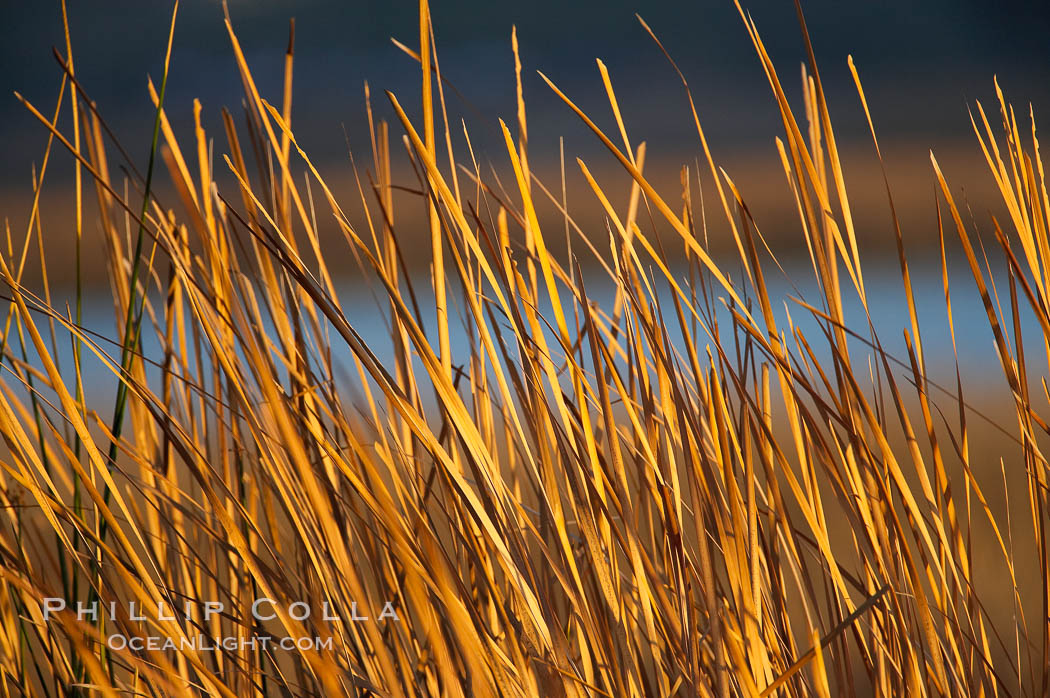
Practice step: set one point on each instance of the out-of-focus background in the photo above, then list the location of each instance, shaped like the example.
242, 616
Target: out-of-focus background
923, 64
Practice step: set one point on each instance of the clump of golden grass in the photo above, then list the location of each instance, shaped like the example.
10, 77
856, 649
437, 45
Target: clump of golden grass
680, 493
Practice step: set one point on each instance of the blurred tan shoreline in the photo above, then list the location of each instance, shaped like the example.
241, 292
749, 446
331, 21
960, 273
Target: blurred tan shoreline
756, 172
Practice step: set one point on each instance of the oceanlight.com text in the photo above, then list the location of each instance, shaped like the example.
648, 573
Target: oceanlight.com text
202, 643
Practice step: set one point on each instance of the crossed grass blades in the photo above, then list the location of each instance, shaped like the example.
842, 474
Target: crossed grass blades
678, 493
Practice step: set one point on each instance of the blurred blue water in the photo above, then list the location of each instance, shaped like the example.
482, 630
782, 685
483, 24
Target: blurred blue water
368, 314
